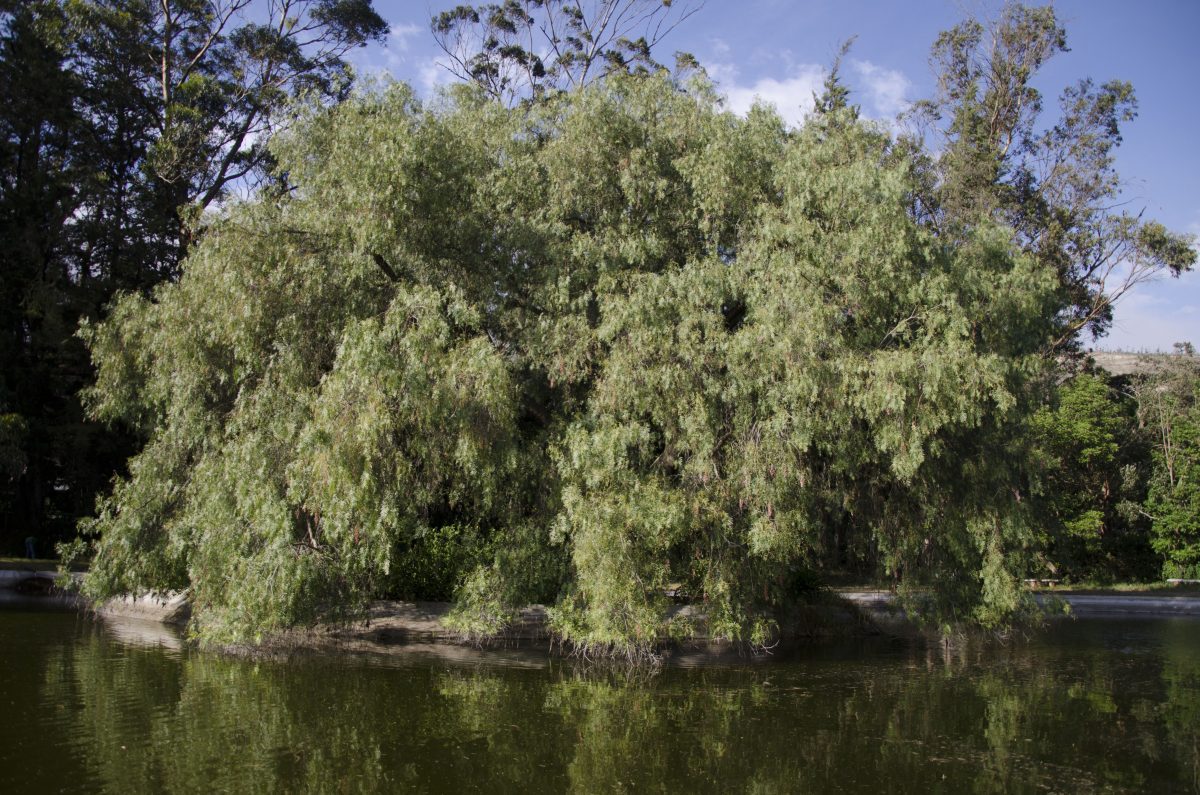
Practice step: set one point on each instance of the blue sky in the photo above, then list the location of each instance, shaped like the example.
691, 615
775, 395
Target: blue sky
777, 50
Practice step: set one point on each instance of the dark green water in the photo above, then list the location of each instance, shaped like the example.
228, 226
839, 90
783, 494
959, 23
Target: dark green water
1091, 706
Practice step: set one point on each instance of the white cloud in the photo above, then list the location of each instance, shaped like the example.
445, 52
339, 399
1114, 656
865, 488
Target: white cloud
720, 46
400, 36
432, 75
722, 73
886, 89
398, 43
791, 96
881, 92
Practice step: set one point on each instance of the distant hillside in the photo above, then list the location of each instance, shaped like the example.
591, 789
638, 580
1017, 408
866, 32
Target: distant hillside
1124, 363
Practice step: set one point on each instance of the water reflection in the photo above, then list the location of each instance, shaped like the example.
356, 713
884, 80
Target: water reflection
149, 634
1094, 707
1181, 705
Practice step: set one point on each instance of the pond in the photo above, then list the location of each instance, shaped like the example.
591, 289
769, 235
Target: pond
1090, 705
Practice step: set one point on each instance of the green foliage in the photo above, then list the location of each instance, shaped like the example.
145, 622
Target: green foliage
1053, 182
614, 343
579, 352
433, 564
122, 121
1169, 404
1091, 456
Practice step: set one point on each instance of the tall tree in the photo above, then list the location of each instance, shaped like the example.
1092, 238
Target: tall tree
1054, 183
1090, 464
617, 339
1169, 405
625, 339
212, 80
124, 120
45, 176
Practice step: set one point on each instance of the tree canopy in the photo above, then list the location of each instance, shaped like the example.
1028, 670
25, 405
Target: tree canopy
628, 339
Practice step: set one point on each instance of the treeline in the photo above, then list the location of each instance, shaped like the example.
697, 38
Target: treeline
572, 334
1115, 463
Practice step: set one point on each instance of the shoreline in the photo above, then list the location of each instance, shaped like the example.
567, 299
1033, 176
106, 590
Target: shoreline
1079, 604
391, 626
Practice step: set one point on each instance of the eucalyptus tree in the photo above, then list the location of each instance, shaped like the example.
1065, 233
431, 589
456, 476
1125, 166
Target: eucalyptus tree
523, 49
1054, 182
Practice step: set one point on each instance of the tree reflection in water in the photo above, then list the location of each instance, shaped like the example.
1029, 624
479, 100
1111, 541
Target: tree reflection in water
1088, 707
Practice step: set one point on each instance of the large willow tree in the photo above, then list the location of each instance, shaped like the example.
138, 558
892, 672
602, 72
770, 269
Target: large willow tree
618, 340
